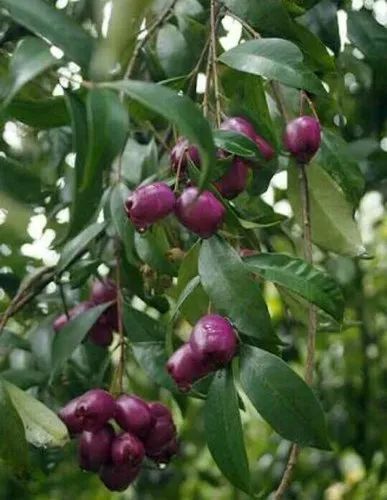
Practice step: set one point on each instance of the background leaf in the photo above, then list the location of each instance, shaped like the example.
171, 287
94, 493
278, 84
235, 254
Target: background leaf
282, 398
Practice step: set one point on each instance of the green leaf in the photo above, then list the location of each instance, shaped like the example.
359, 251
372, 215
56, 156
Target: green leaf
335, 158
223, 428
42, 113
147, 339
78, 245
232, 290
178, 109
122, 225
10, 340
282, 398
333, 227
152, 248
53, 25
237, 144
173, 51
19, 182
24, 378
42, 427
196, 304
275, 59
190, 288
13, 444
71, 335
31, 57
298, 276
368, 35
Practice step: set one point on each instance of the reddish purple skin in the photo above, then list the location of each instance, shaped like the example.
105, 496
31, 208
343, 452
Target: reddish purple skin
202, 215
213, 340
103, 291
118, 477
95, 448
243, 126
148, 204
96, 407
164, 454
68, 416
235, 180
133, 415
302, 138
185, 368
162, 432
127, 449
181, 153
101, 334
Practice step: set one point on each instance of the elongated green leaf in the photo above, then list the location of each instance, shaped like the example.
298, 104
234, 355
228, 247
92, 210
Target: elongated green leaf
42, 427
190, 288
147, 338
237, 144
19, 182
335, 158
196, 304
71, 335
178, 109
298, 276
275, 59
333, 227
42, 114
368, 35
31, 57
173, 52
282, 398
51, 24
152, 248
223, 428
78, 244
24, 378
124, 228
9, 340
232, 290
13, 444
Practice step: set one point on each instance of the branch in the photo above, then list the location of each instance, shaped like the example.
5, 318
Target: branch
213, 21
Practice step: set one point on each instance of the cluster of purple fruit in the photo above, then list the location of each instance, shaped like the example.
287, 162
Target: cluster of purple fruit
102, 331
201, 213
148, 430
212, 344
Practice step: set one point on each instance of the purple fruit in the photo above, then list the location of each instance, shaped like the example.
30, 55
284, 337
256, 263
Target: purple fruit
213, 340
243, 126
127, 449
95, 448
234, 181
101, 334
162, 432
164, 454
148, 204
103, 291
118, 477
72, 421
185, 368
96, 407
133, 415
302, 138
158, 410
181, 153
202, 214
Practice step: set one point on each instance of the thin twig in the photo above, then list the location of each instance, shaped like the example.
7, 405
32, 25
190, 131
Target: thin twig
122, 344
63, 298
213, 18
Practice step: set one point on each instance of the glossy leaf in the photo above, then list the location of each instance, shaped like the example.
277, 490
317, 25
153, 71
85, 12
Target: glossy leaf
152, 248
178, 109
42, 427
13, 444
275, 59
190, 288
10, 340
173, 51
77, 245
52, 24
24, 378
237, 144
72, 334
300, 277
147, 339
282, 398
124, 228
232, 290
368, 35
44, 113
333, 227
335, 158
19, 182
31, 57
224, 432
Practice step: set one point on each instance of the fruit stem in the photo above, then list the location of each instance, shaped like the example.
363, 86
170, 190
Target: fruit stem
312, 320
213, 21
121, 362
